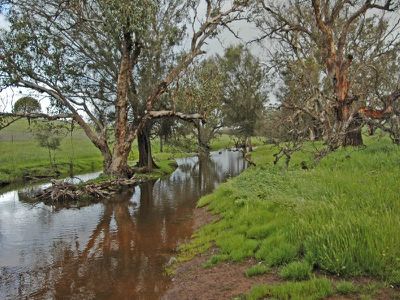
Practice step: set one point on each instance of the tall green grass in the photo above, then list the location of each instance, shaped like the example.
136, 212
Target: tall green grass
311, 290
342, 217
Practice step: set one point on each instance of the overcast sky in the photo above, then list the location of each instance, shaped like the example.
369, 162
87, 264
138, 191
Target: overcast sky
246, 32
3, 21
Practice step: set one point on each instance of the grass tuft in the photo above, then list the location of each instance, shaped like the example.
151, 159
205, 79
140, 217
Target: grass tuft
346, 287
276, 252
297, 270
317, 288
258, 269
215, 259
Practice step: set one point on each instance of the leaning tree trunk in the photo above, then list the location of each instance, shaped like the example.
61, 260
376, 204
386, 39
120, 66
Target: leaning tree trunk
122, 145
144, 146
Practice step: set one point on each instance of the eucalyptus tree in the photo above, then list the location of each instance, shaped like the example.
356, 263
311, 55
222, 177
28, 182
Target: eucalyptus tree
349, 40
202, 91
245, 94
89, 58
27, 105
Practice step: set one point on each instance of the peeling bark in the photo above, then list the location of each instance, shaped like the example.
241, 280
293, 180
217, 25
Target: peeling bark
122, 147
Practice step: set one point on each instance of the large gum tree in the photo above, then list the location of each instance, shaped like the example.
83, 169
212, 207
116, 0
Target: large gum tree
88, 57
332, 33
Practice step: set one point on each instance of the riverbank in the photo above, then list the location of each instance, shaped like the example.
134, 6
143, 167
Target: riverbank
327, 232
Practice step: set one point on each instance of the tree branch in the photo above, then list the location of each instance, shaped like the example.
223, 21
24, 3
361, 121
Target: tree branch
170, 113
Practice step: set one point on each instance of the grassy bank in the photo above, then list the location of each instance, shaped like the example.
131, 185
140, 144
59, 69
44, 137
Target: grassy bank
340, 220
20, 154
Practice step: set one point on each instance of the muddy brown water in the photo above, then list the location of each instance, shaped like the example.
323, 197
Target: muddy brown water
116, 249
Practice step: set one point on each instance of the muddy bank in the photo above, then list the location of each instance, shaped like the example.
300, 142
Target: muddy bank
223, 281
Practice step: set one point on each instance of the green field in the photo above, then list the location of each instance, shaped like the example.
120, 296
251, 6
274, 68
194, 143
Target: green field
340, 219
21, 155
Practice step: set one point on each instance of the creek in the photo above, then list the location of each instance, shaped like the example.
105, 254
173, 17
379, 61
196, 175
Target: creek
115, 249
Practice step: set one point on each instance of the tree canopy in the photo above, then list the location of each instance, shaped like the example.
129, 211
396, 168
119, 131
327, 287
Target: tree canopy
26, 105
100, 58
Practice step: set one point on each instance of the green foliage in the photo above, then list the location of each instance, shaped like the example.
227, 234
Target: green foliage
245, 95
317, 288
258, 269
49, 136
128, 15
27, 105
346, 287
297, 270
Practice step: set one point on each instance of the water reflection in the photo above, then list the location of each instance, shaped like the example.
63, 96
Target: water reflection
116, 249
